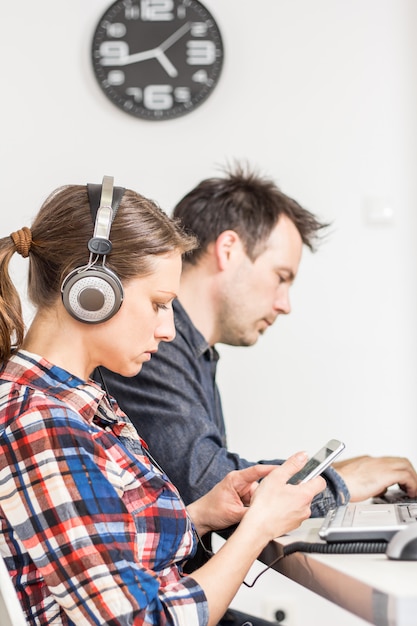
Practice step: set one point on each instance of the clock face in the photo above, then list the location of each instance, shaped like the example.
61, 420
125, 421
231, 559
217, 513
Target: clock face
157, 59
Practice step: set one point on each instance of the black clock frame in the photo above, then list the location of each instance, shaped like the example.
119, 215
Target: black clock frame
157, 60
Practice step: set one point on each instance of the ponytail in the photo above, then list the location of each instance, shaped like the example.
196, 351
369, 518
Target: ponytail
11, 319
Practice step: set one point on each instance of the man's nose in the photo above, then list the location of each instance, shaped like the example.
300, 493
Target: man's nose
282, 302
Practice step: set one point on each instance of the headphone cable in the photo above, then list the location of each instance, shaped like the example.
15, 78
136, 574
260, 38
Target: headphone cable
337, 547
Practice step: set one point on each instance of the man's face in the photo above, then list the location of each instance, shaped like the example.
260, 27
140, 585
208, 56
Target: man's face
254, 293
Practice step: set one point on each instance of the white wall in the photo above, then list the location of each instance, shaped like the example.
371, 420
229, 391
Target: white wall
320, 95
341, 133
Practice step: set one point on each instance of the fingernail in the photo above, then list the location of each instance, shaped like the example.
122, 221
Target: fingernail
301, 456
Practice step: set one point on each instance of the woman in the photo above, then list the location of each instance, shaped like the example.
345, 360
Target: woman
92, 530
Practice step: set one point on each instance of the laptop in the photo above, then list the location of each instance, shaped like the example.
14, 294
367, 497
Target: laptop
367, 521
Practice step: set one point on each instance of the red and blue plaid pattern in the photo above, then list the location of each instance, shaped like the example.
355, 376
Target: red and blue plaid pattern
91, 531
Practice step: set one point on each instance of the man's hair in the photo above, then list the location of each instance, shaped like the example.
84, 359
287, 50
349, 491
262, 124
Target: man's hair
243, 201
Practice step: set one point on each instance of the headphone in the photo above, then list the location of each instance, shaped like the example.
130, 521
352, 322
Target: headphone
93, 293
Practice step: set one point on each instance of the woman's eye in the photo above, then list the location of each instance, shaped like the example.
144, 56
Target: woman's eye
284, 279
161, 306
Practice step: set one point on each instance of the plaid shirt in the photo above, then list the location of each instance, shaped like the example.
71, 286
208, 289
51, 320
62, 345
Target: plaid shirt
91, 531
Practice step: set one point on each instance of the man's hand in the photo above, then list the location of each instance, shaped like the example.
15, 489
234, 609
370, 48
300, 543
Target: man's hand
366, 476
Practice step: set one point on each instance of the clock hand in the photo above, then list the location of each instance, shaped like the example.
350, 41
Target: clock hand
155, 53
174, 37
130, 58
160, 50
170, 69
152, 53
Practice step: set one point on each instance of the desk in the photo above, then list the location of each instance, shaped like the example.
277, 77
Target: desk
379, 590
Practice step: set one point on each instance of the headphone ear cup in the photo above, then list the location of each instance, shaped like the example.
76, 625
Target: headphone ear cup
92, 295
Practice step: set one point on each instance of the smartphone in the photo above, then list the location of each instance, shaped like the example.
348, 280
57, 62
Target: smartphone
317, 463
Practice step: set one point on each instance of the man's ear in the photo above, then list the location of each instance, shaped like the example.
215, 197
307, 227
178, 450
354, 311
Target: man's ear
227, 245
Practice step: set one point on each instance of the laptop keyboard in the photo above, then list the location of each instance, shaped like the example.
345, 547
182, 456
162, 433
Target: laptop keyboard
408, 512
394, 496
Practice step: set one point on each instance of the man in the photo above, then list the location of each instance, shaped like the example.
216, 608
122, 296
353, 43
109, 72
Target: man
233, 287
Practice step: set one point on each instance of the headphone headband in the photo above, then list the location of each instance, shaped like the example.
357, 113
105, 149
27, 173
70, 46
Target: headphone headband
104, 201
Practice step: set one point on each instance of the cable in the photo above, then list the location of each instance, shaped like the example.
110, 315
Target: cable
103, 382
337, 547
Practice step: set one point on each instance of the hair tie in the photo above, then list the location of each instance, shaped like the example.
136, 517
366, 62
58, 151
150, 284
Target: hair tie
22, 239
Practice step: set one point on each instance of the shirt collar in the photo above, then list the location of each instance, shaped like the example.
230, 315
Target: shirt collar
33, 371
192, 335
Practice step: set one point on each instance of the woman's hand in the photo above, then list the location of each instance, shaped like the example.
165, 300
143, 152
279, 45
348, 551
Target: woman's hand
228, 501
265, 510
278, 507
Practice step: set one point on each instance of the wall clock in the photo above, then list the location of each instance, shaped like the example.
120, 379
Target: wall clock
157, 59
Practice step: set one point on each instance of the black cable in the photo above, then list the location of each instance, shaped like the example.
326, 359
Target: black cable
337, 547
104, 385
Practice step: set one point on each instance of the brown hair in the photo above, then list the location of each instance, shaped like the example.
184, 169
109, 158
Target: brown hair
245, 202
60, 234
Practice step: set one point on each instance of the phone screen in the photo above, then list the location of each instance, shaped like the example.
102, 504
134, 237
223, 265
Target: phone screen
317, 463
